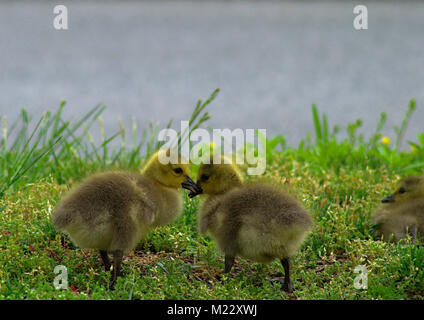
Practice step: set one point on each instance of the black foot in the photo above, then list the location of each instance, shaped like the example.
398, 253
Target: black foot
112, 283
229, 261
104, 259
116, 271
114, 276
286, 286
286, 283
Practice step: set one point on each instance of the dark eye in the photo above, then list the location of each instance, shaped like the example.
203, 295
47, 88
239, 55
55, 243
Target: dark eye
204, 177
402, 190
178, 170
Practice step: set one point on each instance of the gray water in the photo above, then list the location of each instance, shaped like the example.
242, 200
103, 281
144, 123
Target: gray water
272, 60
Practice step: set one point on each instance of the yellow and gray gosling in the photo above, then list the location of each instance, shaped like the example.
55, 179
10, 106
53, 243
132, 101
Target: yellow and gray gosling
402, 213
112, 211
256, 221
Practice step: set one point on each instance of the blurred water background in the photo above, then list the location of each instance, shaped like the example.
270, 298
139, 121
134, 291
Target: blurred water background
272, 60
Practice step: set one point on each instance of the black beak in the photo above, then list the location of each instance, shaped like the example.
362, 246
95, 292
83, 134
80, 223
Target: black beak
388, 199
192, 187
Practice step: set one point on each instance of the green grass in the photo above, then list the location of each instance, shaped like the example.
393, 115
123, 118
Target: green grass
340, 181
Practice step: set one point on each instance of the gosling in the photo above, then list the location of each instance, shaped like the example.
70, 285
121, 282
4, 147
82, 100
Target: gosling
257, 221
402, 213
112, 211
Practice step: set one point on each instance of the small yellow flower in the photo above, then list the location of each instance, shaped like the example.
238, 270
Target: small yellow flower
212, 145
385, 140
413, 148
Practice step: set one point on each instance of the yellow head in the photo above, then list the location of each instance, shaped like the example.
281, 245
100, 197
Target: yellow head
410, 188
218, 178
170, 174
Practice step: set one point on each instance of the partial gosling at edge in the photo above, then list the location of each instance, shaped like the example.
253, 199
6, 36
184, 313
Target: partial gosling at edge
402, 213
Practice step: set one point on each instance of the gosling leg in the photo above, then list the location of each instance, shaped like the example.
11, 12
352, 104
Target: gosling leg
413, 232
104, 258
287, 286
116, 272
229, 262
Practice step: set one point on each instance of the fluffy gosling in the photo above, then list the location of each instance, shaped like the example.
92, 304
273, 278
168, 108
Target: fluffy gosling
256, 221
402, 213
112, 211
